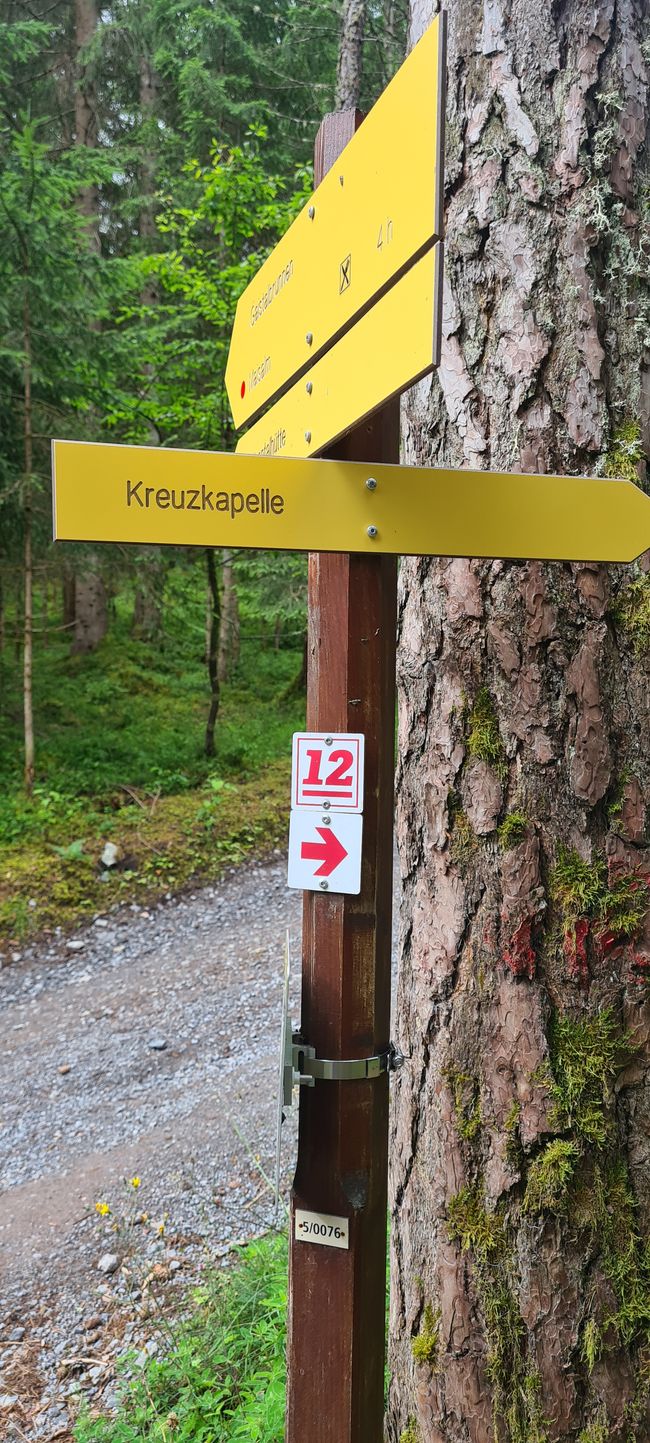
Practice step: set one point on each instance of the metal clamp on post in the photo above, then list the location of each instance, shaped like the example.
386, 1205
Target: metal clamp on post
308, 1068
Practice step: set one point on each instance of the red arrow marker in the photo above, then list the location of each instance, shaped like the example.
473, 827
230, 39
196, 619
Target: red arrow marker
330, 852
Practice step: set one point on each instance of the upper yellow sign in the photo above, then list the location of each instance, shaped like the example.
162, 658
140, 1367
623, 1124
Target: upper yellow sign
202, 498
377, 210
361, 371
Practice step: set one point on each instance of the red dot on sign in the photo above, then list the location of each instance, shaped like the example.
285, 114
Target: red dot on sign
243, 389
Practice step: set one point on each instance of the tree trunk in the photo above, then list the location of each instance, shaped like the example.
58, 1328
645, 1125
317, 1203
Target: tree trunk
85, 13
2, 615
148, 602
348, 75
91, 609
28, 458
68, 600
520, 1183
213, 651
45, 619
229, 634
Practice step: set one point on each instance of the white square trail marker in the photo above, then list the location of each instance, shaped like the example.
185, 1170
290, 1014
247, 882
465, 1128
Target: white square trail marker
327, 771
325, 851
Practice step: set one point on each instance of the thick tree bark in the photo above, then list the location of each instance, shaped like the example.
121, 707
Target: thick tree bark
348, 76
520, 1154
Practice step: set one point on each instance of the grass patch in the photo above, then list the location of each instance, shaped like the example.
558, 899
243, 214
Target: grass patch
224, 1378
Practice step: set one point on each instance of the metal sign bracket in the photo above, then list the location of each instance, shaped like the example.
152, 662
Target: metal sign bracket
306, 1068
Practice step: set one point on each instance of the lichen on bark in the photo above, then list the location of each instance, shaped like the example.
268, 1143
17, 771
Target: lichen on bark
525, 944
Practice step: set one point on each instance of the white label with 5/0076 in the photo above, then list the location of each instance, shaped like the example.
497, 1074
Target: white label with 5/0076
322, 1228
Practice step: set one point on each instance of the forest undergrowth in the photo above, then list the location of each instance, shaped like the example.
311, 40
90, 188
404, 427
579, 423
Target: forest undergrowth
121, 760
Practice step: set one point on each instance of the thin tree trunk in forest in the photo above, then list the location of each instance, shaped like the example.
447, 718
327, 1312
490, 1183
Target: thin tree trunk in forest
148, 601
213, 651
520, 1308
28, 712
348, 76
229, 635
44, 609
68, 601
85, 13
2, 615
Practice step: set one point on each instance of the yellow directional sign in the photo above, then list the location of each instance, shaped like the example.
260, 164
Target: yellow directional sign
376, 359
202, 498
377, 210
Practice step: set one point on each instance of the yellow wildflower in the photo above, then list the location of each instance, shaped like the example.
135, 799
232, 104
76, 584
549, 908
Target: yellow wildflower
135, 1182
103, 1209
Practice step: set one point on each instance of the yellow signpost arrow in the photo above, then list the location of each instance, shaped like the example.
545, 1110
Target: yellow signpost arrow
375, 212
379, 357
201, 498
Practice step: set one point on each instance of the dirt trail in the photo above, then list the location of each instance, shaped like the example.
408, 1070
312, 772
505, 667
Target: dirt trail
145, 1047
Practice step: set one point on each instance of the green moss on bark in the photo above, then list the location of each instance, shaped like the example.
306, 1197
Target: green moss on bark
425, 1346
484, 738
467, 1103
550, 1176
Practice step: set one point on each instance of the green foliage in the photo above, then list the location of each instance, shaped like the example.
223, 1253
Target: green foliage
632, 612
587, 1055
224, 1379
410, 1433
425, 1347
484, 738
467, 1102
512, 830
549, 1177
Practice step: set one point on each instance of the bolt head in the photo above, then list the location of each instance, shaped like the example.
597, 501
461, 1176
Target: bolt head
324, 886
326, 805
307, 436
329, 741
309, 338
309, 387
311, 212
327, 821
372, 532
371, 483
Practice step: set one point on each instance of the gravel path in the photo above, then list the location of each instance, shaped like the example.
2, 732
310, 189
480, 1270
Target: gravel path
144, 1047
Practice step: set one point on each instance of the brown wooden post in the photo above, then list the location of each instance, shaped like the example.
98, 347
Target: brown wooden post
336, 1338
